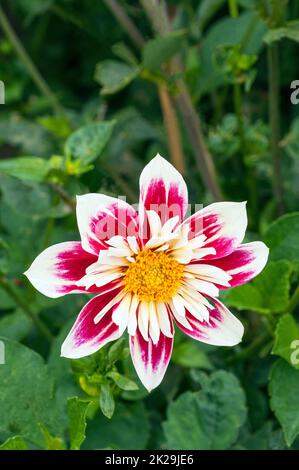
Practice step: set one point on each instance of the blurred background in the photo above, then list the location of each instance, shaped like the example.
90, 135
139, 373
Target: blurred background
93, 90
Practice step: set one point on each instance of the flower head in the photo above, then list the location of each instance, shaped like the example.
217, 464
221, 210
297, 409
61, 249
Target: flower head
151, 269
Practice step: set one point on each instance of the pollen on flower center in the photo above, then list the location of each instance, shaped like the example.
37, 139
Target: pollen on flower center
154, 276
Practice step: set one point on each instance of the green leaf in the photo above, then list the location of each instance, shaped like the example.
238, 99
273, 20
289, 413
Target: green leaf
227, 32
287, 340
26, 168
128, 430
15, 325
282, 238
268, 293
161, 49
289, 31
114, 75
34, 8
57, 125
26, 198
27, 395
51, 442
190, 354
87, 143
123, 382
115, 351
107, 402
283, 389
29, 137
14, 443
206, 10
212, 415
77, 412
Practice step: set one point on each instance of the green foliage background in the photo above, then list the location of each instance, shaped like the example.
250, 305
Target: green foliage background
82, 114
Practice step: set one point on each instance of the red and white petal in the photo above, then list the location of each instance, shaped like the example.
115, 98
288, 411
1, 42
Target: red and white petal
86, 337
163, 190
56, 271
224, 225
244, 263
102, 217
223, 328
151, 360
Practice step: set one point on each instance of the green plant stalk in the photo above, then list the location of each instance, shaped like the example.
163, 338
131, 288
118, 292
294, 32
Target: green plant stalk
69, 201
121, 183
65, 15
233, 8
294, 301
251, 179
251, 350
13, 293
274, 117
125, 22
28, 63
238, 105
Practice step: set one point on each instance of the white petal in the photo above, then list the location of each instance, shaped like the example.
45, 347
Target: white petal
154, 329
163, 319
203, 286
132, 323
143, 319
162, 189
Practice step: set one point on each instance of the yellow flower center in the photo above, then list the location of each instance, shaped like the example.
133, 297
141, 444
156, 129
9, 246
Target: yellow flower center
154, 276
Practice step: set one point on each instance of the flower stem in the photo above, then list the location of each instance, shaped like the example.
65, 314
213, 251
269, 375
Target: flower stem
273, 80
28, 63
13, 293
173, 129
233, 8
69, 201
122, 184
125, 22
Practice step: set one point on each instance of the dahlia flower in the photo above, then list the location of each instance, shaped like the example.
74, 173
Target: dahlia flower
151, 269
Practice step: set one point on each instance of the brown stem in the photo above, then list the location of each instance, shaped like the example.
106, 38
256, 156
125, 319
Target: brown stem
168, 109
121, 183
35, 74
203, 157
172, 127
64, 196
274, 115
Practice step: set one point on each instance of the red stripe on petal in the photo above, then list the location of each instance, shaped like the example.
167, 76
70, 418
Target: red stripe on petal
244, 263
71, 264
86, 336
150, 360
223, 328
55, 271
163, 190
102, 217
223, 224
155, 195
